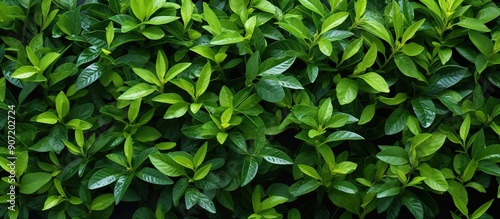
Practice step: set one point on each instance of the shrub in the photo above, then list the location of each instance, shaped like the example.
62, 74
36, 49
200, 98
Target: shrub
249, 109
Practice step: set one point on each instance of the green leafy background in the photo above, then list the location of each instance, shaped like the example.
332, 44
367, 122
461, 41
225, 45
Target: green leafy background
251, 108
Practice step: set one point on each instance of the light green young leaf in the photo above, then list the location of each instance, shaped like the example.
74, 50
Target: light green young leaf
314, 5
211, 19
347, 90
352, 49
147, 76
187, 9
199, 157
376, 28
46, 118
376, 81
25, 72
62, 105
203, 80
473, 24
333, 21
310, 171
177, 110
367, 114
110, 33
137, 91
464, 128
412, 29
227, 37
175, 70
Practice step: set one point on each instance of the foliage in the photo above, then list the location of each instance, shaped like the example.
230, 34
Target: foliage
251, 108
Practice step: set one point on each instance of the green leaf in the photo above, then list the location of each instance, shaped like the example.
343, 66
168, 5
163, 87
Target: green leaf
178, 190
110, 33
272, 201
153, 32
206, 203
412, 29
187, 9
314, 5
433, 178
295, 27
310, 171
161, 65
393, 155
52, 201
342, 136
483, 43
139, 9
345, 186
445, 77
352, 49
121, 186
48, 60
270, 90
396, 121
90, 74
333, 21
175, 70
211, 19
200, 155
103, 177
464, 128
325, 46
473, 24
274, 66
87, 55
489, 152
376, 28
227, 37
289, 82
325, 111
202, 172
102, 202
347, 90
203, 80
412, 49
376, 81
183, 160
46, 118
482, 210
367, 114
275, 156
303, 187
359, 8
406, 65
147, 76
428, 145
3, 88
177, 110
250, 168
31, 182
146, 134
161, 20
345, 167
425, 111
25, 72
137, 91
62, 105
153, 176
414, 205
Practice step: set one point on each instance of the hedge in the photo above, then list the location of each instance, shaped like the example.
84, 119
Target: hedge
249, 109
